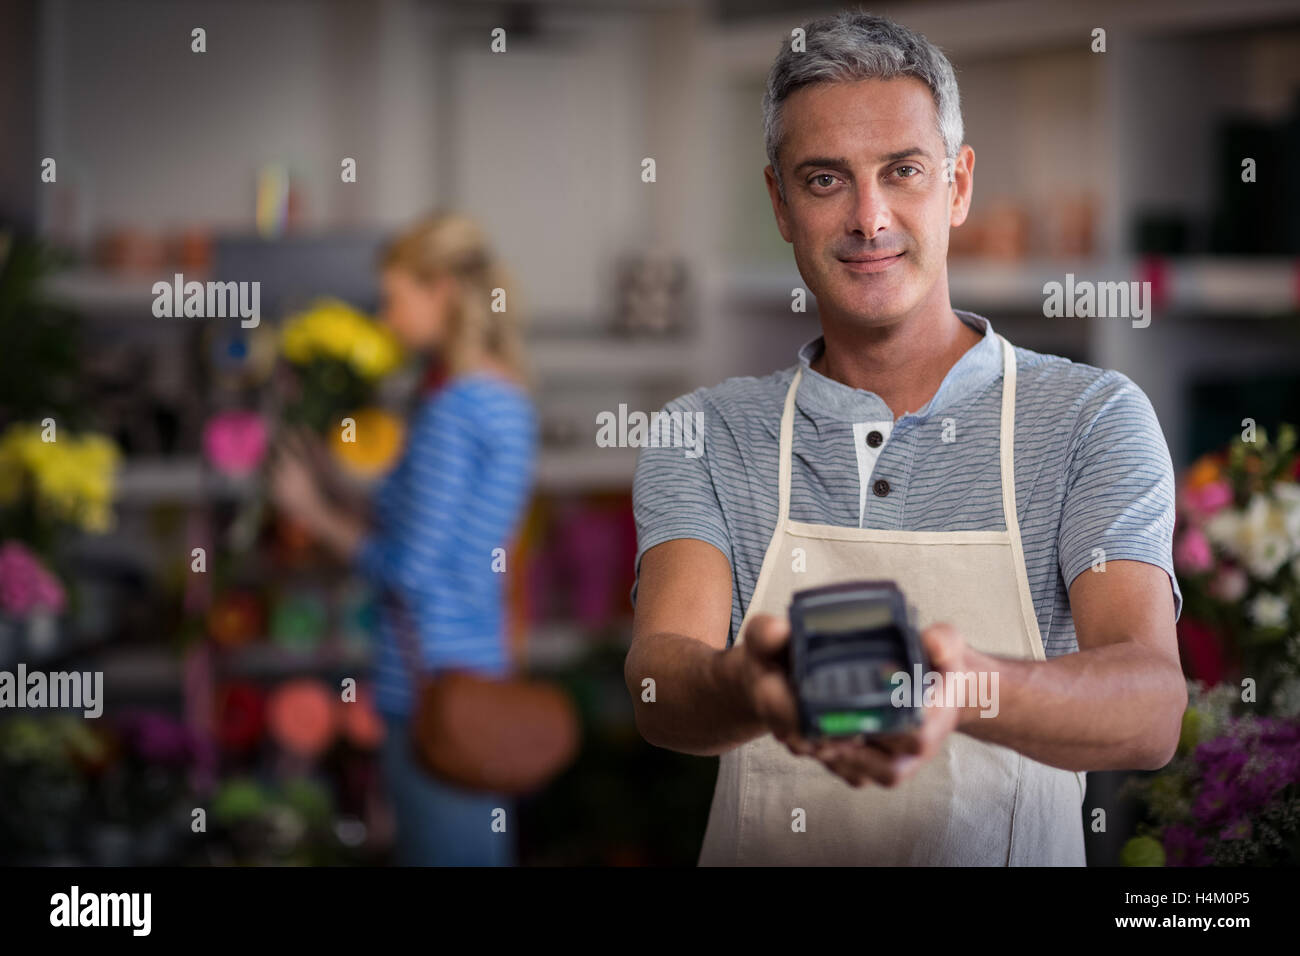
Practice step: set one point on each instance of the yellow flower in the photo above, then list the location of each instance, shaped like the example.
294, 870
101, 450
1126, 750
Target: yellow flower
332, 329
72, 477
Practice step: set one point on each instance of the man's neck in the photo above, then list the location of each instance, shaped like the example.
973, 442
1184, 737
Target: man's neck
903, 363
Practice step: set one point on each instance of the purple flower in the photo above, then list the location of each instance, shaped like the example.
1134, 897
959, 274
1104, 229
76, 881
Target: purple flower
157, 738
1244, 770
1237, 830
1215, 804
1183, 847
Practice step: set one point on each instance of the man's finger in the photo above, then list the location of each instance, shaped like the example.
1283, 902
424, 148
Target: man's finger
776, 702
943, 645
846, 769
798, 745
901, 742
855, 758
767, 636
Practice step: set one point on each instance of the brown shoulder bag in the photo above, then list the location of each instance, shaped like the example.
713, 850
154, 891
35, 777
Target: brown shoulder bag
510, 735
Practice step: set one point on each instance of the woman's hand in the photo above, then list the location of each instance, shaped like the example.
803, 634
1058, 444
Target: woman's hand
314, 453
296, 490
293, 484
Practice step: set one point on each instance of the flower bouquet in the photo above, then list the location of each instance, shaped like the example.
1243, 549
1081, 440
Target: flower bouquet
1237, 553
1231, 795
338, 356
48, 484
334, 358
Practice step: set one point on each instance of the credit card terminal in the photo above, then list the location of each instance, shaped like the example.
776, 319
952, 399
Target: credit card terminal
847, 643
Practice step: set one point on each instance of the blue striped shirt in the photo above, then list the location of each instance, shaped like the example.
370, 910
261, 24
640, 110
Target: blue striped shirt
457, 494
1092, 470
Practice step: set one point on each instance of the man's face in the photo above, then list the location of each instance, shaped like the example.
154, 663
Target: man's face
863, 167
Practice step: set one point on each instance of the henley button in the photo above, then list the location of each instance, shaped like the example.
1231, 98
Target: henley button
874, 439
881, 487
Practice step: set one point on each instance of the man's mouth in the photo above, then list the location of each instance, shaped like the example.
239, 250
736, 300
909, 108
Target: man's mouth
876, 262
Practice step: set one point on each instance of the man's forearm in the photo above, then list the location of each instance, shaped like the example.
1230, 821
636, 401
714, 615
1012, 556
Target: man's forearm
1117, 707
699, 706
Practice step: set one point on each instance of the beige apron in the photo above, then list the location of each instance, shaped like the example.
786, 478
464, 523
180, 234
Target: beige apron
973, 803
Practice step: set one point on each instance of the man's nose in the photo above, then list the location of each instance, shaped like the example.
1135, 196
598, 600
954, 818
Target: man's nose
871, 213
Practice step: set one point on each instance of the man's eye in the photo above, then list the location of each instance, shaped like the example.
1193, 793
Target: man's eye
819, 176
912, 168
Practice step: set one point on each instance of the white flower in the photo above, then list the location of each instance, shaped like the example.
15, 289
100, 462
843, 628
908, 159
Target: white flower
1268, 610
1223, 528
1287, 496
1262, 541
1288, 493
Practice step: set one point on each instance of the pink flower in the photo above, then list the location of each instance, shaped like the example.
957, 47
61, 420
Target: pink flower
1192, 552
1210, 498
25, 584
235, 442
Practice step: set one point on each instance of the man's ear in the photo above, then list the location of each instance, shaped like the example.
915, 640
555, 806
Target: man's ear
779, 207
963, 186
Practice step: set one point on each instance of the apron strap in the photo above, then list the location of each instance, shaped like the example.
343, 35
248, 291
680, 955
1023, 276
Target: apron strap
787, 442
1007, 440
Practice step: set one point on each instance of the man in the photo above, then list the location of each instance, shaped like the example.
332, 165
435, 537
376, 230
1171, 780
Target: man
1022, 502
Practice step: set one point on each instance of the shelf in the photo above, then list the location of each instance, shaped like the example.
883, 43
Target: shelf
160, 668
1259, 287
551, 647
607, 357
141, 669
97, 291
554, 646
1016, 27
587, 469
146, 480
1237, 285
264, 659
1241, 287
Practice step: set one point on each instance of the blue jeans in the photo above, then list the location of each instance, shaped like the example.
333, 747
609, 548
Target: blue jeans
439, 824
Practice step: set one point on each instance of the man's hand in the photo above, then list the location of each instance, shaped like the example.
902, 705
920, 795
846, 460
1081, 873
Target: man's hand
765, 679
886, 759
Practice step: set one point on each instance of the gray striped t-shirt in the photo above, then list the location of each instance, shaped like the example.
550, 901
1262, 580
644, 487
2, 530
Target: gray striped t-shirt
1092, 469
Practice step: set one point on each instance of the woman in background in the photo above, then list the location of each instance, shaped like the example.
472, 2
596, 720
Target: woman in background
457, 494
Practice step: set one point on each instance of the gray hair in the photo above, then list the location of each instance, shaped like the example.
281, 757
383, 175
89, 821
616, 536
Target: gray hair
853, 46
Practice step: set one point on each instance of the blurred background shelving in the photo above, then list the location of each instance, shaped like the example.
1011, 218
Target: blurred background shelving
1113, 166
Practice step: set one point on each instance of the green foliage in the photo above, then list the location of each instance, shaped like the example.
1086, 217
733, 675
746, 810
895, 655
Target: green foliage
38, 361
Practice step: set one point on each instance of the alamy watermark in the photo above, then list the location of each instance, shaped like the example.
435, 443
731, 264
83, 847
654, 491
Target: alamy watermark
657, 430
130, 910
1086, 299
61, 690
958, 689
208, 300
